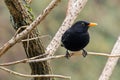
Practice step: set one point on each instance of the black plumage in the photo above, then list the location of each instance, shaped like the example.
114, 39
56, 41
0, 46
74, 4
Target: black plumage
77, 37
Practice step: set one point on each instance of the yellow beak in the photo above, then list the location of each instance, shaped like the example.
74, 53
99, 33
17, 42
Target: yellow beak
92, 24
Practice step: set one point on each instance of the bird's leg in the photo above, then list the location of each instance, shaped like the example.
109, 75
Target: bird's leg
67, 54
84, 53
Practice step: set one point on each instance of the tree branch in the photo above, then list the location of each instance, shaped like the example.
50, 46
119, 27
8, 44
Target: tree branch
68, 21
21, 15
35, 59
21, 35
70, 6
111, 62
31, 76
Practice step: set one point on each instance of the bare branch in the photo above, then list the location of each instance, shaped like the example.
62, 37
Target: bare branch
70, 6
72, 54
22, 61
31, 76
111, 62
36, 38
68, 21
35, 59
19, 36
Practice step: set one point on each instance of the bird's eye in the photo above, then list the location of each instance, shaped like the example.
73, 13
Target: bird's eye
83, 24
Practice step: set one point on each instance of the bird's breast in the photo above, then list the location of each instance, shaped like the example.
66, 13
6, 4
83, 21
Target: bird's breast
76, 41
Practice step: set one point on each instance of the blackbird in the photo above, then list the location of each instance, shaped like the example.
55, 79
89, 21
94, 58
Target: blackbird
77, 37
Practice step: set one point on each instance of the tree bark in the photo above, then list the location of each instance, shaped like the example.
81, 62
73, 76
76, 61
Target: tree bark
21, 15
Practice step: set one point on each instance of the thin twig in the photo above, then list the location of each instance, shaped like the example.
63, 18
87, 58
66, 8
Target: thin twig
21, 35
35, 59
35, 38
72, 54
103, 54
22, 61
30, 76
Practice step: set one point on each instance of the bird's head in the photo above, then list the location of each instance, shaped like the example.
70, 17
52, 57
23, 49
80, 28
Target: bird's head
83, 25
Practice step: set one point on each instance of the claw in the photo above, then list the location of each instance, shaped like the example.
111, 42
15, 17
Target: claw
67, 55
84, 53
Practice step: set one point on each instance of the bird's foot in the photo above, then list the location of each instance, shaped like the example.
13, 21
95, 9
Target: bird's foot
84, 53
67, 55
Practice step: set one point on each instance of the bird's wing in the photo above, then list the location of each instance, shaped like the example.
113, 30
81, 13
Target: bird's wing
65, 36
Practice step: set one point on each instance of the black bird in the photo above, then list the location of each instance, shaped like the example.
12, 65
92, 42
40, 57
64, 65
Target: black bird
77, 37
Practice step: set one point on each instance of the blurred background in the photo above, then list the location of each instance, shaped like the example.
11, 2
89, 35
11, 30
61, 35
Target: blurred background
103, 37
